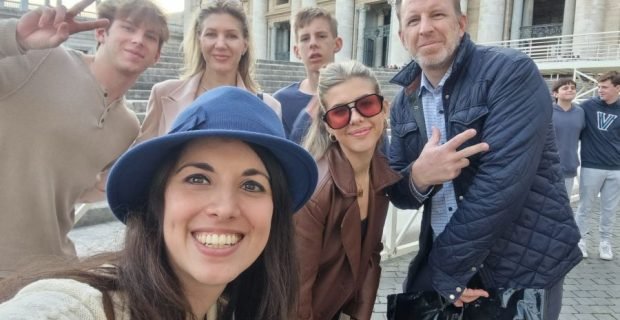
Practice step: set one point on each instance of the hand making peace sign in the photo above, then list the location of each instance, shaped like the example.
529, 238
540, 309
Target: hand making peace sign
47, 27
439, 163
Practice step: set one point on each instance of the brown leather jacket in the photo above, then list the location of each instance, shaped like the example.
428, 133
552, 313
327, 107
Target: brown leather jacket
339, 271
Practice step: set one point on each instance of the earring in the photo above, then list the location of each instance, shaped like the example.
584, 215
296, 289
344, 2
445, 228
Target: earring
332, 138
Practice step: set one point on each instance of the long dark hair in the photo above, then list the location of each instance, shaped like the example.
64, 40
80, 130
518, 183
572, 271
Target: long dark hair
142, 273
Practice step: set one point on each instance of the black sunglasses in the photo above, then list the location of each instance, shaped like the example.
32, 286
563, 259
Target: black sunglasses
368, 106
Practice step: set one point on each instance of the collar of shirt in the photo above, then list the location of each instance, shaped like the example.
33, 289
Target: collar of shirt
425, 84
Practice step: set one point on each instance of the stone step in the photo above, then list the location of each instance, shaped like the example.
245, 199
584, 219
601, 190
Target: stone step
273, 67
156, 78
142, 85
166, 57
138, 94
278, 62
138, 106
162, 71
172, 65
261, 77
270, 75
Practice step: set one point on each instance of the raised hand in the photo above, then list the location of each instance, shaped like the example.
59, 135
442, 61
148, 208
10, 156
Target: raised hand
47, 27
441, 163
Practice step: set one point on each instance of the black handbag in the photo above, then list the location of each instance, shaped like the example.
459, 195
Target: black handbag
423, 305
429, 305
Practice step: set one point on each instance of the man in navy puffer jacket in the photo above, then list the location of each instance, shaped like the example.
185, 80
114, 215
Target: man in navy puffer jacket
472, 136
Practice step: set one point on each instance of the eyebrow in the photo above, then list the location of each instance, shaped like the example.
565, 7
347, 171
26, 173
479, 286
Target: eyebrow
131, 21
207, 167
254, 172
225, 30
200, 165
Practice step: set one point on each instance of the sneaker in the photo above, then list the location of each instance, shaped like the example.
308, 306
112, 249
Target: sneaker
583, 247
604, 250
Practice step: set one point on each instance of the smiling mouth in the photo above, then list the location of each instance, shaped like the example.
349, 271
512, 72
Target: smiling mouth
217, 241
424, 45
360, 132
135, 53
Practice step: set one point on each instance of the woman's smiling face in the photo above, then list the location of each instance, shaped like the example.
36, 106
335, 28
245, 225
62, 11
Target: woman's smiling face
217, 212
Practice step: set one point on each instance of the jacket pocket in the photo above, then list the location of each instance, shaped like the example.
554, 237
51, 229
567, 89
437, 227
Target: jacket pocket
403, 129
472, 117
468, 116
407, 135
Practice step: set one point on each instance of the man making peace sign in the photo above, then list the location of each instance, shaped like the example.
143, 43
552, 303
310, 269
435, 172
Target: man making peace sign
63, 116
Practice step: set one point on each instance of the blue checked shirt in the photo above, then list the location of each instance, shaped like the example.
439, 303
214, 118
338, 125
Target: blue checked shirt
444, 201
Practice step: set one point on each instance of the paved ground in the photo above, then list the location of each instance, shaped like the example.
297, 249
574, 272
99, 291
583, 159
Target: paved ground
591, 290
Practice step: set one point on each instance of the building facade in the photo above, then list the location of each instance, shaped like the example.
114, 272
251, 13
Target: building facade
369, 28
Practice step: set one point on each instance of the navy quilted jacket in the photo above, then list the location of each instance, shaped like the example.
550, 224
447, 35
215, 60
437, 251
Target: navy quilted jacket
514, 225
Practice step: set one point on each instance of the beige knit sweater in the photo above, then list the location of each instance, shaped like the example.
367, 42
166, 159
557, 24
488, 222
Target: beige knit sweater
56, 134
64, 299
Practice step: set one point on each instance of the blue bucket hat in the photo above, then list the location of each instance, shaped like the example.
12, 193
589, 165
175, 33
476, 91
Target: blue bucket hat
227, 112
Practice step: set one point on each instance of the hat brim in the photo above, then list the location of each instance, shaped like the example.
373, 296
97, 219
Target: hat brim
131, 176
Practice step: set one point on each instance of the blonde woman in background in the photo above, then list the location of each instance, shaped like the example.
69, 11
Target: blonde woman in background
217, 52
338, 232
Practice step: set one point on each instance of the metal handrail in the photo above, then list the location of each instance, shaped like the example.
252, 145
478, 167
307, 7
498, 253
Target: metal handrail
398, 242
579, 47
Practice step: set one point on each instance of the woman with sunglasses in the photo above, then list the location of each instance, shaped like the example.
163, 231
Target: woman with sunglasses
338, 232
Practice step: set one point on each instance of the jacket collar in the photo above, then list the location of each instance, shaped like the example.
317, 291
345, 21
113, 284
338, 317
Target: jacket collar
190, 86
342, 174
409, 76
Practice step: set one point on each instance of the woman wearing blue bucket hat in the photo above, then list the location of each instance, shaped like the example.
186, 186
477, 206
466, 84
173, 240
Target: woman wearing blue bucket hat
208, 209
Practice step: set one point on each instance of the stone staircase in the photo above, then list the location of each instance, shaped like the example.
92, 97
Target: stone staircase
270, 75
273, 75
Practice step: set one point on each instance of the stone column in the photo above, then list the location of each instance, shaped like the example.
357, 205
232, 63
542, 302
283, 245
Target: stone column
273, 31
345, 14
517, 18
491, 23
568, 21
528, 13
589, 16
189, 10
295, 6
361, 26
612, 16
259, 29
398, 55
308, 3
288, 33
464, 4
379, 40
